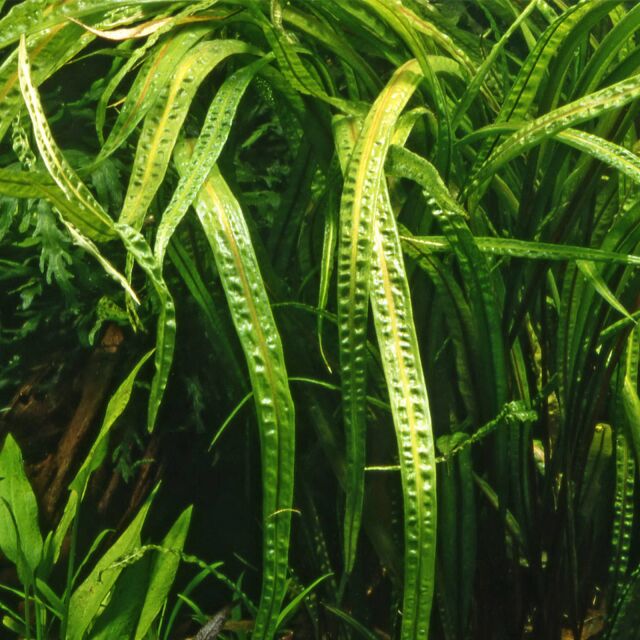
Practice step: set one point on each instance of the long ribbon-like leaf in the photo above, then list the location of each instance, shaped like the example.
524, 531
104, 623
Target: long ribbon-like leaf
393, 315
91, 218
357, 215
226, 230
164, 121
209, 144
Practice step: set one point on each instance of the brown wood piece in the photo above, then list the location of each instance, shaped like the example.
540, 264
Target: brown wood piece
96, 383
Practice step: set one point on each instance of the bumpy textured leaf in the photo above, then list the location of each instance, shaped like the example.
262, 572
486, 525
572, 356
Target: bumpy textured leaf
208, 146
92, 250
522, 249
49, 51
482, 293
622, 529
91, 218
334, 40
137, 246
15, 183
228, 236
296, 72
581, 110
164, 121
357, 215
151, 80
34, 15
409, 26
393, 315
520, 97
626, 615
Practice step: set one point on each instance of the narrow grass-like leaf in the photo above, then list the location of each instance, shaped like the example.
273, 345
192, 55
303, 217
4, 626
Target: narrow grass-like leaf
393, 315
580, 110
480, 74
601, 287
357, 215
208, 146
164, 121
290, 609
151, 80
513, 526
228, 236
91, 217
358, 627
48, 51
526, 249
89, 597
137, 247
213, 314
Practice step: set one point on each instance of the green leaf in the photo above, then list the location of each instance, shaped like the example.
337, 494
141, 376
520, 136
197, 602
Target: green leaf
50, 50
227, 233
599, 148
580, 110
20, 538
137, 247
91, 218
291, 608
32, 16
208, 147
363, 176
87, 600
87, 245
480, 74
164, 121
596, 280
399, 347
163, 573
358, 627
526, 249
478, 280
150, 82
118, 618
117, 404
